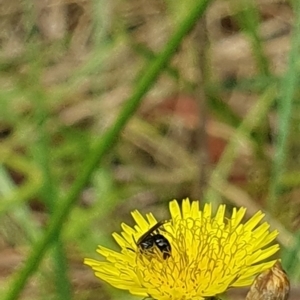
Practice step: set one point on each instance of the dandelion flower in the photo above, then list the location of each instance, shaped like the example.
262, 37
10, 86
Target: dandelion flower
209, 253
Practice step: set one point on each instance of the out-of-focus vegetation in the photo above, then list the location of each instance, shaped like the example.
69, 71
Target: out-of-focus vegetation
109, 106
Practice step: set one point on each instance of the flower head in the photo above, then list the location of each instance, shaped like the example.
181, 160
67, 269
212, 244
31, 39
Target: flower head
208, 253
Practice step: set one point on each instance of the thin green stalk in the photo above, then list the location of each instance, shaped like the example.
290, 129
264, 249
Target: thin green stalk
172, 71
253, 119
248, 18
41, 153
285, 103
102, 146
49, 192
62, 280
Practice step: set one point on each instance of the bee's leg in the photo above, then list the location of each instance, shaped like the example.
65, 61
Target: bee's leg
130, 249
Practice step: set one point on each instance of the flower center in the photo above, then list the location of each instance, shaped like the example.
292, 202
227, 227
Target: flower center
205, 255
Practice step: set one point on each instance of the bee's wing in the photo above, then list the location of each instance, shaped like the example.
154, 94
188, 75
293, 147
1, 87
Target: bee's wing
151, 230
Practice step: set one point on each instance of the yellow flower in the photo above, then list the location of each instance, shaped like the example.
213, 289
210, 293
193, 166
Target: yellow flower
209, 254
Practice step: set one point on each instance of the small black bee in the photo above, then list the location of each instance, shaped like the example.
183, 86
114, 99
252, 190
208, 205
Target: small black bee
151, 238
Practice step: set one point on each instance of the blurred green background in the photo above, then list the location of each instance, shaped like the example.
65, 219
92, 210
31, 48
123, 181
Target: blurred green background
110, 106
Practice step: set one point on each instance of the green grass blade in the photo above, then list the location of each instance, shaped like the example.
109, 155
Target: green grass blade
248, 18
253, 119
49, 194
102, 146
285, 101
285, 106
